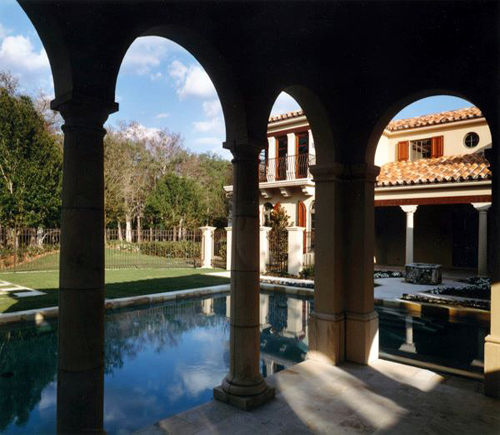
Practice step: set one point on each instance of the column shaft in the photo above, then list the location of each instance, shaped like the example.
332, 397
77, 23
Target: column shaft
80, 388
482, 245
358, 227
244, 386
492, 346
410, 229
326, 324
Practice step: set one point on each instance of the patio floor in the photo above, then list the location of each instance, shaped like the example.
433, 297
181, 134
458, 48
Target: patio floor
384, 398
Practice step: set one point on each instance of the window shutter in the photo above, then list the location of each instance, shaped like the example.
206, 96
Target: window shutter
437, 146
403, 151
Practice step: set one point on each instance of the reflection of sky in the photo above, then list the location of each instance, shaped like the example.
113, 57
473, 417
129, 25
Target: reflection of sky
160, 361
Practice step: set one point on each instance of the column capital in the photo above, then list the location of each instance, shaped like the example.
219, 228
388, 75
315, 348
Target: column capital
361, 172
265, 229
481, 206
207, 228
83, 111
298, 229
245, 149
328, 172
409, 208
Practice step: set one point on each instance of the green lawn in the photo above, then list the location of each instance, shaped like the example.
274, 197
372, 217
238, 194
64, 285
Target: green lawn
119, 283
114, 259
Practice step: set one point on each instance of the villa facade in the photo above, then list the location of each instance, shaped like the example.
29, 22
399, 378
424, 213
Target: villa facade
431, 196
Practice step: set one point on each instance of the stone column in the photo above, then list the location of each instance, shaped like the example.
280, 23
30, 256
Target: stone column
492, 346
358, 232
410, 213
229, 238
207, 234
264, 248
295, 249
327, 322
80, 383
482, 247
244, 386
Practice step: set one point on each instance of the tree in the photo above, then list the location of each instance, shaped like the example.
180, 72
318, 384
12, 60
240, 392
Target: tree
30, 164
175, 202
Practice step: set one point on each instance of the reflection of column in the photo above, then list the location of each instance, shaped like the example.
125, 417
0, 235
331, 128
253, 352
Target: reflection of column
229, 238
410, 213
207, 306
408, 346
264, 248
80, 386
264, 308
244, 386
294, 319
207, 246
482, 247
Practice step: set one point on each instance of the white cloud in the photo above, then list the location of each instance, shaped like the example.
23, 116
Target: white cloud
214, 125
191, 81
4, 31
284, 103
212, 108
145, 54
19, 56
162, 115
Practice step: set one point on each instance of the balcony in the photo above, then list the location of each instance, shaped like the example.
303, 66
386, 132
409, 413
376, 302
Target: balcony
292, 167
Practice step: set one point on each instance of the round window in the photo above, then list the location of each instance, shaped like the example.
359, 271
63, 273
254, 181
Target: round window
471, 140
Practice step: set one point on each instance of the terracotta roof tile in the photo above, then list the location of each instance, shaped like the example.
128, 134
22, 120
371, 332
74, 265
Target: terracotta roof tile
467, 167
404, 124
435, 118
287, 115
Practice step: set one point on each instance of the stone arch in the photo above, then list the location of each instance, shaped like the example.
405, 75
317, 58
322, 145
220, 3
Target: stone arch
213, 63
317, 117
400, 104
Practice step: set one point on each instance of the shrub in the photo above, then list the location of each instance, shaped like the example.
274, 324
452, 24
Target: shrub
177, 249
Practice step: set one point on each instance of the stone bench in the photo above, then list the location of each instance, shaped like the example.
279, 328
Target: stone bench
423, 273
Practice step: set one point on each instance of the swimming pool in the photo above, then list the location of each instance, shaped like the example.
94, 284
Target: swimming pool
163, 359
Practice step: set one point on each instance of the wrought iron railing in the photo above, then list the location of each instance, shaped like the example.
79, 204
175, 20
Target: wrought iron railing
286, 168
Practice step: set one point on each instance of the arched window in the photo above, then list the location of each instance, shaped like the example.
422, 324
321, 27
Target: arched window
313, 216
268, 208
302, 215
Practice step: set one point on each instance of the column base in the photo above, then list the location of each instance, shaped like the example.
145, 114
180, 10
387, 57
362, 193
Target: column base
492, 366
361, 337
326, 338
246, 403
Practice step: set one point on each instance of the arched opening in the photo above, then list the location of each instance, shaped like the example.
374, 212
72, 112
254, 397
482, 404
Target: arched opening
431, 200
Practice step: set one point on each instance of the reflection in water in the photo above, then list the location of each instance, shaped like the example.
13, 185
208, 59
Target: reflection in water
160, 360
164, 359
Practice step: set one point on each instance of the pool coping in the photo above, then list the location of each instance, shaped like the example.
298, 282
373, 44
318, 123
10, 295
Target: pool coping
39, 314
451, 313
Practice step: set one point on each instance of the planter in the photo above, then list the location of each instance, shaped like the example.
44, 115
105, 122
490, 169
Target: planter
423, 273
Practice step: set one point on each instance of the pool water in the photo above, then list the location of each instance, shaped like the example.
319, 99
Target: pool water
163, 359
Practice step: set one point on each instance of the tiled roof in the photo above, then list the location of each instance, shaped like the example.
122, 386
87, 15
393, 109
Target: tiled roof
288, 115
467, 167
435, 118
404, 124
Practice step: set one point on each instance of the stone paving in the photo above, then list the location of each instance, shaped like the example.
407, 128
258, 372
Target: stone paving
383, 398
17, 290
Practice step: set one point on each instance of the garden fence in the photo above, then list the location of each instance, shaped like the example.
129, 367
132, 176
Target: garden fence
278, 251
32, 249
220, 248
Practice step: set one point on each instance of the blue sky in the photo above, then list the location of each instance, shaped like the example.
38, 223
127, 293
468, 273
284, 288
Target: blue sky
160, 84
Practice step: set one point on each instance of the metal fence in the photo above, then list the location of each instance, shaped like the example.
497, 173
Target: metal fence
32, 249
278, 251
220, 248
308, 248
